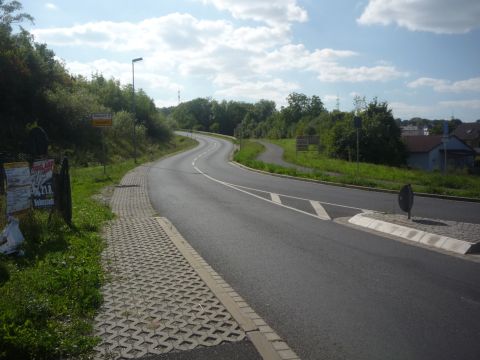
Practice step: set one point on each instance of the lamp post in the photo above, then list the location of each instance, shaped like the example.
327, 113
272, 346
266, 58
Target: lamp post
133, 109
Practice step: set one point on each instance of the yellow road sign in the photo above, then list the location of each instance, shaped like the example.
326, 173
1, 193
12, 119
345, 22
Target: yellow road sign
102, 120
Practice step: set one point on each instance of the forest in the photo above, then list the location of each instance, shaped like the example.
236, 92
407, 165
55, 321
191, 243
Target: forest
37, 90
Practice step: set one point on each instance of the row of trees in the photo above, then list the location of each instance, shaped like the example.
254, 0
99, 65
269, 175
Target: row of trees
36, 89
220, 117
379, 136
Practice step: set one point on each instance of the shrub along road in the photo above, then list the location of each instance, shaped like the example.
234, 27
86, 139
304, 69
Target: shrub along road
331, 291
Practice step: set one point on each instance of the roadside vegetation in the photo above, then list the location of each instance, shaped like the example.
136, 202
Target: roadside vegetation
325, 168
49, 296
37, 90
50, 290
382, 153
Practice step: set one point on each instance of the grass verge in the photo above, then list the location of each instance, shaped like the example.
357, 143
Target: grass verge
371, 175
49, 296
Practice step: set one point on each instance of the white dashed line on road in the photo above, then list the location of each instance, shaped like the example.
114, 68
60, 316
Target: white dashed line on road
320, 210
275, 198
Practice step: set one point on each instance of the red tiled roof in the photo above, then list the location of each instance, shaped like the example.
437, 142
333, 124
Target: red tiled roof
420, 143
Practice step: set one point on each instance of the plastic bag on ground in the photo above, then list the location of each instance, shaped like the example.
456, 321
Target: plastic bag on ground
11, 237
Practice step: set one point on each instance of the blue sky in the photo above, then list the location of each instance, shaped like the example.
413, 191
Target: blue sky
422, 56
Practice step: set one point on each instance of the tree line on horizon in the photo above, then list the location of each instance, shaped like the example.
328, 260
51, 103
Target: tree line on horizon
380, 135
37, 90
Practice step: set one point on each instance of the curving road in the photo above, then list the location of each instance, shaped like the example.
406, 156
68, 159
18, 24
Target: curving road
331, 291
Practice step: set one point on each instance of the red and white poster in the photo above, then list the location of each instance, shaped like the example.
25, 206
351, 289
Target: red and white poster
42, 183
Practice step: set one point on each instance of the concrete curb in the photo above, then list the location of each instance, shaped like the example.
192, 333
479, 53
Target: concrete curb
438, 241
267, 342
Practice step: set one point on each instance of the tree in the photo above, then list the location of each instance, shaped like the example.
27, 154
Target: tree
380, 136
9, 14
315, 107
35, 88
27, 71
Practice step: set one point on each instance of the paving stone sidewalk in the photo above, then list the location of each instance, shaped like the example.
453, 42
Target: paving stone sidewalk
156, 302
454, 229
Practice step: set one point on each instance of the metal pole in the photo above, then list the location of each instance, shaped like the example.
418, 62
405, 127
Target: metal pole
104, 154
133, 110
358, 151
134, 114
445, 157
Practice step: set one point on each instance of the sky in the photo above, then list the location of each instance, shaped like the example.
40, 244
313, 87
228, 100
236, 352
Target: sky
421, 56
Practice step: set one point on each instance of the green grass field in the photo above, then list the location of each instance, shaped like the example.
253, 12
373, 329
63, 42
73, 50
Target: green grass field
49, 296
377, 176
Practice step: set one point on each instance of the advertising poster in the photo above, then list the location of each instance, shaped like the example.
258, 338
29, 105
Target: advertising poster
18, 199
19, 188
17, 174
42, 183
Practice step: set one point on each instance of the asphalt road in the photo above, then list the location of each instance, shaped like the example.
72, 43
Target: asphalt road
331, 291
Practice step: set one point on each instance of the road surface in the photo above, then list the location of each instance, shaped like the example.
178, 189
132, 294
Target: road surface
331, 291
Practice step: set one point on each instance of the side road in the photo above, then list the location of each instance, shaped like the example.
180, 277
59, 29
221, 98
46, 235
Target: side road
162, 300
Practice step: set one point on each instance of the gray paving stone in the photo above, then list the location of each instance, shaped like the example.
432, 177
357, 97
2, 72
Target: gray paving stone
154, 301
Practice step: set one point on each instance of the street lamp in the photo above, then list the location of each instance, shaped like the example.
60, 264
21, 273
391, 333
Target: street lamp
133, 109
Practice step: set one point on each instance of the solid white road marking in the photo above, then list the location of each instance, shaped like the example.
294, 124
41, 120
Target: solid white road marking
301, 198
275, 198
320, 210
239, 188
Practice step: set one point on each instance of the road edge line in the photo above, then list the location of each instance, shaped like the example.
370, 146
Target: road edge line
356, 187
264, 338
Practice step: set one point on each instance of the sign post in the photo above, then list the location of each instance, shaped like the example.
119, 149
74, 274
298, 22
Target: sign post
357, 120
301, 144
444, 141
102, 120
405, 199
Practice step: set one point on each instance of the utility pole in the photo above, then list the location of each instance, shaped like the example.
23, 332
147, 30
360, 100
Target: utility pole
133, 110
357, 121
445, 140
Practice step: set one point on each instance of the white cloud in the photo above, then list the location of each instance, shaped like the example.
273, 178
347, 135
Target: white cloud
272, 89
123, 72
468, 104
438, 16
246, 61
330, 98
440, 110
324, 62
277, 13
173, 32
160, 103
335, 73
441, 85
408, 111
51, 6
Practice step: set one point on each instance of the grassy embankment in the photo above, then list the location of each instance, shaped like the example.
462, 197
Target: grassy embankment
376, 176
49, 296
